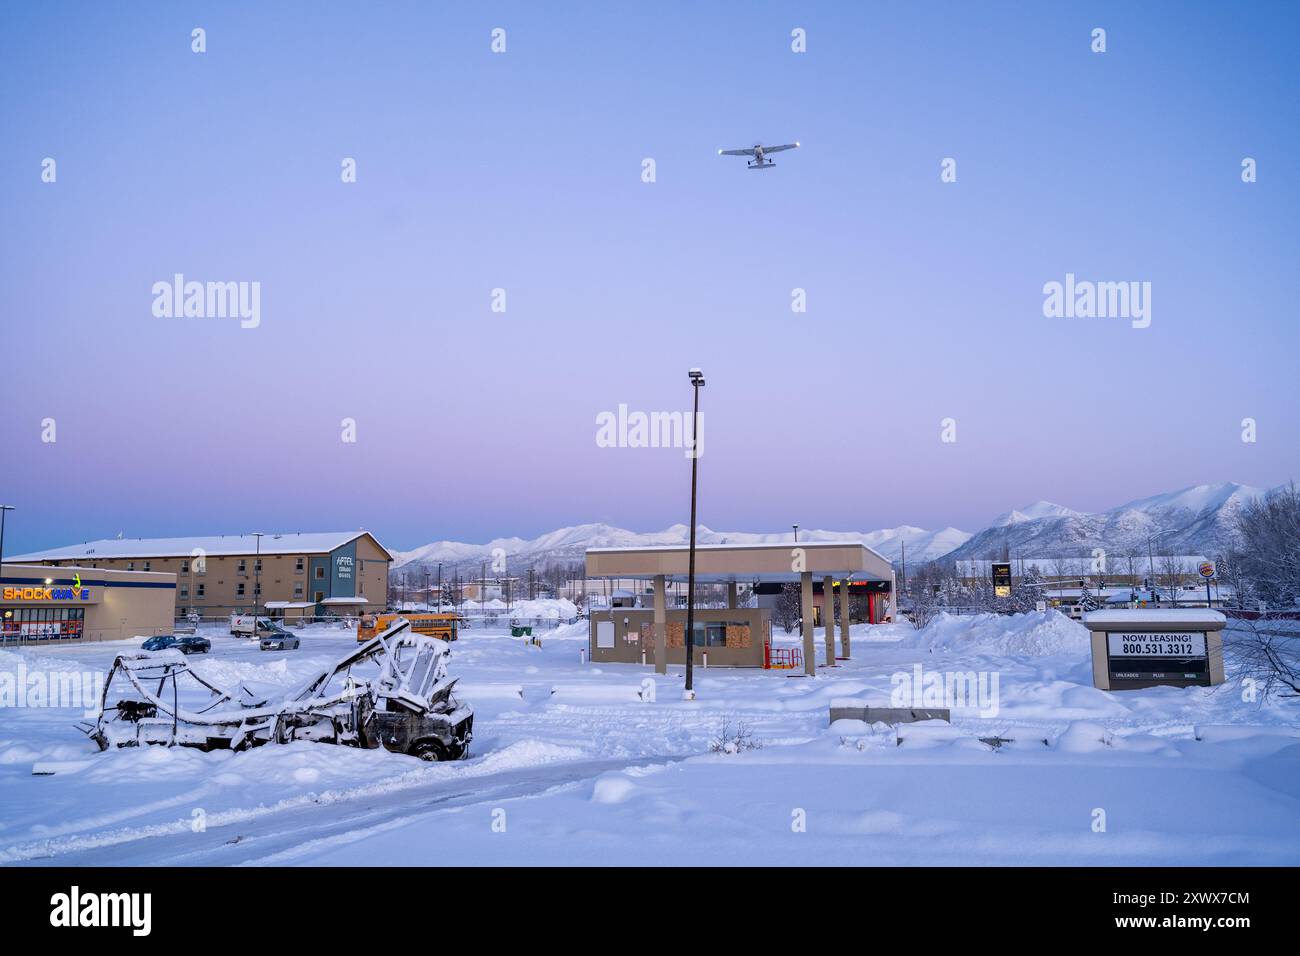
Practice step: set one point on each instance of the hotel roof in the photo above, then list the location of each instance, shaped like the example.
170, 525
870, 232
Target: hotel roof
314, 542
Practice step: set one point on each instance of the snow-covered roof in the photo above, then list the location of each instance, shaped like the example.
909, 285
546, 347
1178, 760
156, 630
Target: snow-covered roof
745, 546
1192, 616
317, 542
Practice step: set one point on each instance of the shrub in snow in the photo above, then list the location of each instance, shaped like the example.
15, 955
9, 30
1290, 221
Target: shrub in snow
732, 739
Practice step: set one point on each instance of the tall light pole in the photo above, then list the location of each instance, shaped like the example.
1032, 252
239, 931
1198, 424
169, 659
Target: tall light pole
796, 533
439, 587
257, 579
3, 509
426, 589
697, 382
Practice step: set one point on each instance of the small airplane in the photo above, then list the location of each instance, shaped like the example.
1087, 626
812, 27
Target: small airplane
758, 152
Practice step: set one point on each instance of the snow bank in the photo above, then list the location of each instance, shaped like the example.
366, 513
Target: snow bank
545, 607
1036, 634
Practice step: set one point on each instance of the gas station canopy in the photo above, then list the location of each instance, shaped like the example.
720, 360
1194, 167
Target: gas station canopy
780, 562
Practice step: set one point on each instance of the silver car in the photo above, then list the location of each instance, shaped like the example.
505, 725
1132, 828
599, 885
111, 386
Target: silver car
277, 638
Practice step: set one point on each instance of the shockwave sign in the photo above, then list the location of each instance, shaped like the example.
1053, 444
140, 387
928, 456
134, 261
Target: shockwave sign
43, 592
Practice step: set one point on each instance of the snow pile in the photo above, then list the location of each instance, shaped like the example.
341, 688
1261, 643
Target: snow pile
577, 631
560, 608
1036, 634
228, 674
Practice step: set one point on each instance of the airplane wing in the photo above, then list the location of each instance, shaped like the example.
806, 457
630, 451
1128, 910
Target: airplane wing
737, 152
777, 149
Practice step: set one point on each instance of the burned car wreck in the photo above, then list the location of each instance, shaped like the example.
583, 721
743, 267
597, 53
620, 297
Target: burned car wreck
392, 691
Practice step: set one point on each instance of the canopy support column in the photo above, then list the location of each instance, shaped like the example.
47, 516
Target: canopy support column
661, 627
844, 619
828, 617
806, 608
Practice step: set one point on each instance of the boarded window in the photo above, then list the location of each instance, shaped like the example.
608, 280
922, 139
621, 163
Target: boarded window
712, 634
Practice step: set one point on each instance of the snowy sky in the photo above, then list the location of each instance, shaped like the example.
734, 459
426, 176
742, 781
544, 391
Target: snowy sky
522, 171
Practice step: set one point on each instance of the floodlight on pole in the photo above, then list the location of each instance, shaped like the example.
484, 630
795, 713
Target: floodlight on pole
697, 382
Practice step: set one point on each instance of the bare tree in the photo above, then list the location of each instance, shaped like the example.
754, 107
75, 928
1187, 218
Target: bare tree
1266, 652
789, 606
1172, 570
1269, 529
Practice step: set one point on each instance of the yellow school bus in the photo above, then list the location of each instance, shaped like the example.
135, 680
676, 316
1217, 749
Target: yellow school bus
444, 626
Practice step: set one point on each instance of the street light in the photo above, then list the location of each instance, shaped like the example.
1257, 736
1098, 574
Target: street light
439, 587
796, 533
697, 382
3, 509
257, 579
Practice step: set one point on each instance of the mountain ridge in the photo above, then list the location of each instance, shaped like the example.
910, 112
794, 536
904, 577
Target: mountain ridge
1192, 520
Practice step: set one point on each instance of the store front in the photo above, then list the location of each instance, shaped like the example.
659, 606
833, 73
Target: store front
42, 623
44, 605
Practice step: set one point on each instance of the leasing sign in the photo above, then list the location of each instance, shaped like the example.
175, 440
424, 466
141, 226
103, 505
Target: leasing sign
1142, 658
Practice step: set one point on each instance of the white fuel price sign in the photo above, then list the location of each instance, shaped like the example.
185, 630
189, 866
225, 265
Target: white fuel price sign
1155, 644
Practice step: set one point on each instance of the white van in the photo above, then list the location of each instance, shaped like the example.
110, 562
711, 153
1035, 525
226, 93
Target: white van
241, 625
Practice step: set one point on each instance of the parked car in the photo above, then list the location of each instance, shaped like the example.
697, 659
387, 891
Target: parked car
186, 644
277, 638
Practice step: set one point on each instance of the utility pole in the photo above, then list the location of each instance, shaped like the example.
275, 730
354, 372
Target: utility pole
440, 586
257, 580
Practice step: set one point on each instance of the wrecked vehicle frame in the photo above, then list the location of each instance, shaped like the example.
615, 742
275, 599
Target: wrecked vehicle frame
406, 707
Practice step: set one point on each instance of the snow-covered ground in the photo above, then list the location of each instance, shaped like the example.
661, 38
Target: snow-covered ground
570, 765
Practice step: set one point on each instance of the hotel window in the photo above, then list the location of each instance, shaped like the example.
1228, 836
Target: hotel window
146, 565
257, 589
243, 565
185, 592
257, 565
320, 572
297, 590
297, 565
201, 590
185, 567
239, 589
130, 565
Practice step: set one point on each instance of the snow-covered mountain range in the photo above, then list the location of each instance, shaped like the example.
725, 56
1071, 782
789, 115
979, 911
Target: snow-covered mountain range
1193, 520
569, 544
1190, 521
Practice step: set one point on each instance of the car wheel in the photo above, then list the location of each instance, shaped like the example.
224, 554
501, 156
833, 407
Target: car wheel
430, 750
